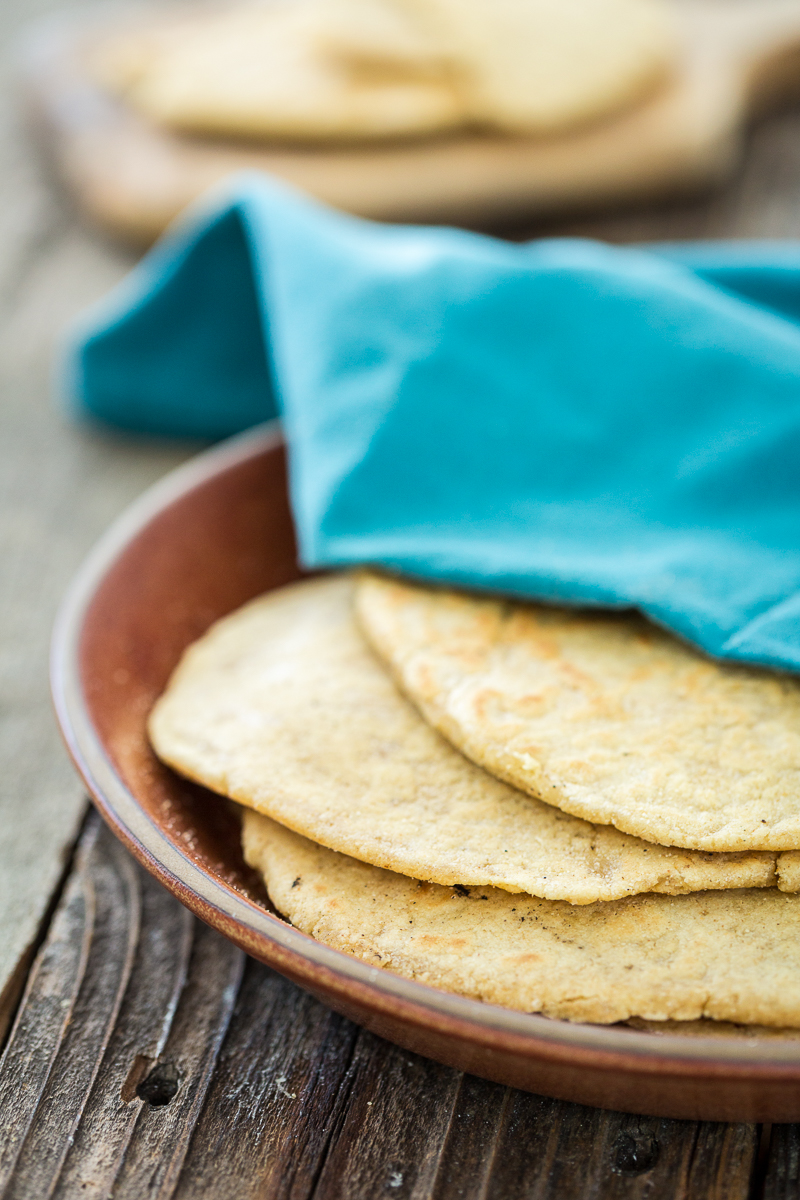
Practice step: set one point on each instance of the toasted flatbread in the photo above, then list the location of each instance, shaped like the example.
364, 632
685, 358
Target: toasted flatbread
361, 69
541, 66
261, 72
603, 715
731, 956
283, 707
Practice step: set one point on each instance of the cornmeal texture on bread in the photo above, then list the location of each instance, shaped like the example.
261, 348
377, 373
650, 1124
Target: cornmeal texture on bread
732, 956
370, 69
602, 715
283, 707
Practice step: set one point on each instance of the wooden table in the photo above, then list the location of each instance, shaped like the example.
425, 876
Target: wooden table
149, 1057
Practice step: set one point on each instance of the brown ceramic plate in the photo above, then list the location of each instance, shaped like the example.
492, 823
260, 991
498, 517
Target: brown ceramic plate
207, 538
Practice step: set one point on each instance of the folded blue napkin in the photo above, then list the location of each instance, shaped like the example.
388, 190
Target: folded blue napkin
562, 419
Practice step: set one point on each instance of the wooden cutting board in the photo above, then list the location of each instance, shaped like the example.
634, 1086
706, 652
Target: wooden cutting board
740, 58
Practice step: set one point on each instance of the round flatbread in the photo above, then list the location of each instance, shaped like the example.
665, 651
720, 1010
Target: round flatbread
542, 66
361, 69
604, 715
283, 707
262, 71
732, 956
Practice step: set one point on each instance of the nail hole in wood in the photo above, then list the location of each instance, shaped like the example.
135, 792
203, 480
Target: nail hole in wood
160, 1086
634, 1152
139, 1068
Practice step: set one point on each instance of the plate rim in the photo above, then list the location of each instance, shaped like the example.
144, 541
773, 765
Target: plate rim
232, 913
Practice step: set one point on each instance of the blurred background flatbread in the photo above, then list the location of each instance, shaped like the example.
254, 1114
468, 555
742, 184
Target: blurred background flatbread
134, 174
603, 715
283, 707
546, 66
381, 68
264, 71
732, 956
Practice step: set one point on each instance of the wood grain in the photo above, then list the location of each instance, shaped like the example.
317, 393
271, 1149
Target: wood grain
60, 486
782, 1176
129, 982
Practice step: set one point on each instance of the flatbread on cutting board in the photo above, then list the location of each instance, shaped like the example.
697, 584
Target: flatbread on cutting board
257, 71
542, 66
732, 956
283, 707
602, 715
356, 69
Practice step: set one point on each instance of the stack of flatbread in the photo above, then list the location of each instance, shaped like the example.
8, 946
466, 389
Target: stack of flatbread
367, 69
559, 811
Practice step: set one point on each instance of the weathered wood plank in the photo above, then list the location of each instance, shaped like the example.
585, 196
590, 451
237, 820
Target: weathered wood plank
156, 982
398, 1110
782, 1169
45, 1013
111, 898
477, 1126
546, 1150
127, 985
174, 1090
275, 1095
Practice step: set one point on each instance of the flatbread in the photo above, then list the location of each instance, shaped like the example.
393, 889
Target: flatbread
360, 69
788, 866
603, 715
541, 66
283, 707
261, 72
732, 956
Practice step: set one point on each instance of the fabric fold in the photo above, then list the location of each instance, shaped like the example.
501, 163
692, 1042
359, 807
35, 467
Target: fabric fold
562, 419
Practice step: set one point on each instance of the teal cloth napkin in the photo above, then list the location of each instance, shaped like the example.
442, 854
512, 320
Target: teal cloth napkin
562, 419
